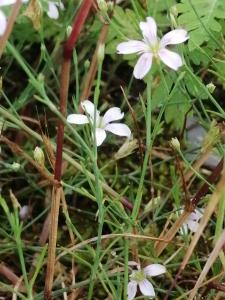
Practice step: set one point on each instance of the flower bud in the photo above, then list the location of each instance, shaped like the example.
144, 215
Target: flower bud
15, 166
173, 11
39, 156
101, 52
68, 30
175, 144
87, 64
211, 87
102, 5
126, 149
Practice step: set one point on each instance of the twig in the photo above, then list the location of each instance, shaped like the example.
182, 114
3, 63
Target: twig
56, 192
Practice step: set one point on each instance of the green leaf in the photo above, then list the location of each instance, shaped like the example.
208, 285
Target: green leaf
201, 19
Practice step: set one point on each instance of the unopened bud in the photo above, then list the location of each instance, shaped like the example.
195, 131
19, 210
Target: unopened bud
211, 87
68, 30
175, 144
15, 166
87, 64
101, 52
102, 5
173, 11
39, 156
126, 149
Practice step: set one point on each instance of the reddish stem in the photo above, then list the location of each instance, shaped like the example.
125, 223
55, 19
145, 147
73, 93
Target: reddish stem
56, 193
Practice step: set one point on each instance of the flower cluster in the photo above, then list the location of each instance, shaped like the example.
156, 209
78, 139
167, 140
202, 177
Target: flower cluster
153, 47
139, 278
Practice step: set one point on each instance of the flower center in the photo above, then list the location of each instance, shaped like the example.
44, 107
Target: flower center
154, 48
138, 276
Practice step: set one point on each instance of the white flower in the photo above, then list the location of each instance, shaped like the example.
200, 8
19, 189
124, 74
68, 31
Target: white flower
139, 278
24, 212
53, 11
103, 124
3, 19
192, 222
153, 47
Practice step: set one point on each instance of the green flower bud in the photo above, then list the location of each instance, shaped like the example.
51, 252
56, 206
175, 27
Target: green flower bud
102, 5
15, 166
175, 144
211, 87
101, 52
39, 156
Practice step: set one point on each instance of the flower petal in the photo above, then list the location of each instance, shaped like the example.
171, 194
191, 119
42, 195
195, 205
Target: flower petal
196, 215
118, 129
77, 119
171, 59
131, 290
131, 46
112, 114
147, 288
10, 2
53, 12
89, 108
173, 37
100, 136
149, 30
3, 23
154, 270
192, 225
143, 65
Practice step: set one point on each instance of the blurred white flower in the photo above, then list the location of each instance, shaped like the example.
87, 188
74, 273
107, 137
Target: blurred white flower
24, 212
53, 9
103, 124
192, 222
153, 47
3, 19
139, 278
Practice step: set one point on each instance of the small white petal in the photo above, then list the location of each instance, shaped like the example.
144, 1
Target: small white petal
10, 2
143, 65
173, 37
171, 59
131, 290
112, 114
24, 211
3, 23
53, 12
149, 30
147, 288
131, 47
192, 225
77, 119
133, 263
196, 215
154, 270
89, 108
100, 136
119, 129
